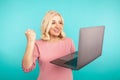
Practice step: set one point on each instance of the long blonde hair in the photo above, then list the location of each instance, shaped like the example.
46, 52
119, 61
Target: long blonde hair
46, 25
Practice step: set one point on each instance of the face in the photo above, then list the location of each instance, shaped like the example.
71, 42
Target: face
56, 26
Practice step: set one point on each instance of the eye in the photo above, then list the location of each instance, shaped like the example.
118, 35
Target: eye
53, 22
60, 22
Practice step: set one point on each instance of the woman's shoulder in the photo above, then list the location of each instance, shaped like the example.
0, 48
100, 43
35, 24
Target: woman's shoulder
66, 39
40, 41
69, 40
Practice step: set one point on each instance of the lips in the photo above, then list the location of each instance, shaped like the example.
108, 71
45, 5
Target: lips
56, 30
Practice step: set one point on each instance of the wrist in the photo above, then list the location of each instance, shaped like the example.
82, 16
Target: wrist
31, 41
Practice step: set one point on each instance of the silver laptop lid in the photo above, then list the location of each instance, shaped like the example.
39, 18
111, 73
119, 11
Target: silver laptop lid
90, 44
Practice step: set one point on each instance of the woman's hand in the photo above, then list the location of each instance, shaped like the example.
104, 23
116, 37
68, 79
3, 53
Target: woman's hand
30, 35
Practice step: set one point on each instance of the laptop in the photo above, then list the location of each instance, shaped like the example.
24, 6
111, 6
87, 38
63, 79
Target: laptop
89, 49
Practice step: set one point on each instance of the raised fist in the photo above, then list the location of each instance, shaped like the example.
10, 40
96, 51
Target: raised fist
30, 35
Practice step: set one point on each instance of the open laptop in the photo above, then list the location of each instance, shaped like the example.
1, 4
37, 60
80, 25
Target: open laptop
90, 48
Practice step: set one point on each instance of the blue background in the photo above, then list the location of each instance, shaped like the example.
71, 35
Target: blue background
18, 15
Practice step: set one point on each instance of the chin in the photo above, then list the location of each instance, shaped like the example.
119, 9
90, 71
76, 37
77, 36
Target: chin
56, 34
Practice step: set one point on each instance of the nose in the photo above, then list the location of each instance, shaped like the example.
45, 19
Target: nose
58, 26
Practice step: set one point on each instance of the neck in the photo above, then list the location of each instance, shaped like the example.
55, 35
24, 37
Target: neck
54, 38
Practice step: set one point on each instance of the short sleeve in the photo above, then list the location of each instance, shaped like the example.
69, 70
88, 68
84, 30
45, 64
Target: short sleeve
36, 52
72, 49
35, 57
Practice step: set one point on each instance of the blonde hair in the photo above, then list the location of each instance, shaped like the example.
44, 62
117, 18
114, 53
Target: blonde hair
46, 25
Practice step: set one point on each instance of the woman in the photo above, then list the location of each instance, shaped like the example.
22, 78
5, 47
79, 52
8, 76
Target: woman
53, 44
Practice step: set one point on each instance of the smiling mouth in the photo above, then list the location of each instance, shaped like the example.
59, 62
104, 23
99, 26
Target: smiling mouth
56, 30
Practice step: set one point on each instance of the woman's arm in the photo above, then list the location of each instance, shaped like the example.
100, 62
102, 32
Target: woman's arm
28, 56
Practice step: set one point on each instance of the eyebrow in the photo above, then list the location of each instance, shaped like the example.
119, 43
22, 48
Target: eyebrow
55, 20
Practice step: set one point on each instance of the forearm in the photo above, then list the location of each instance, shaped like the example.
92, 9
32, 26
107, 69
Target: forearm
28, 56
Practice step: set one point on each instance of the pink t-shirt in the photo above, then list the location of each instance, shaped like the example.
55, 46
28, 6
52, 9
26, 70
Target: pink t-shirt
47, 51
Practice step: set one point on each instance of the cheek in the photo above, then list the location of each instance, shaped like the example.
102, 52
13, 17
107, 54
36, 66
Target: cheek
52, 26
51, 31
